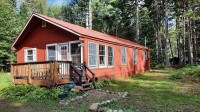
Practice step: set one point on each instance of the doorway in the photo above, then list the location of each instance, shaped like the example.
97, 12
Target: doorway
76, 52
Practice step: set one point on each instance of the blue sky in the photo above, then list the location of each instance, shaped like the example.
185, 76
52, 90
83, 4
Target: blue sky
58, 2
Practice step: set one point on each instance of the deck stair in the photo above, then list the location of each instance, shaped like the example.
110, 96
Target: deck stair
80, 76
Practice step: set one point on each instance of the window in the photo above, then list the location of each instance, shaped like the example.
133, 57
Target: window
146, 55
110, 56
123, 55
63, 52
30, 55
102, 55
135, 55
51, 52
92, 55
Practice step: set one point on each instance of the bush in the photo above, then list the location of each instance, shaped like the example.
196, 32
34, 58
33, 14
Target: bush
30, 92
190, 73
104, 82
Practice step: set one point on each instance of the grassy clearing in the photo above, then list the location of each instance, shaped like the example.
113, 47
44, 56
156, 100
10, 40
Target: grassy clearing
189, 73
154, 91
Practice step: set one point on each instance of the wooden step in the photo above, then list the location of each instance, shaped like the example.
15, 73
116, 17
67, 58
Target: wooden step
85, 85
87, 89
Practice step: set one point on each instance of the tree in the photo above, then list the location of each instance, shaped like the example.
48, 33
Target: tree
8, 31
137, 21
166, 35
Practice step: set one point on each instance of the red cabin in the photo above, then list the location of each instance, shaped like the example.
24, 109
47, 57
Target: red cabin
47, 48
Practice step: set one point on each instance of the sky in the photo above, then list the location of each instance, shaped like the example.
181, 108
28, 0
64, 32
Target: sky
58, 2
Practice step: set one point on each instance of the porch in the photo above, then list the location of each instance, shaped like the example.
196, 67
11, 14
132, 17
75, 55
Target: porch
51, 73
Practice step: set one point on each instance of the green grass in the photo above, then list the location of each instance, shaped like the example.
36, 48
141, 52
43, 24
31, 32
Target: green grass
154, 91
188, 73
5, 80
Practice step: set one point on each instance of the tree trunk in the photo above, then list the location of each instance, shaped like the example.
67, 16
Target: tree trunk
190, 47
90, 14
166, 35
194, 43
137, 21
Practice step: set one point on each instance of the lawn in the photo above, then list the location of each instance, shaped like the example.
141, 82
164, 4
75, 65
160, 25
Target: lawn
153, 91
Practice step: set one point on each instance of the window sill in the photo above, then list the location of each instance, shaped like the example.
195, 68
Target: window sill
110, 66
92, 67
102, 67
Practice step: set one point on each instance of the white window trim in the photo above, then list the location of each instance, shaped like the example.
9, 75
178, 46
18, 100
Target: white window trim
96, 56
125, 55
135, 56
102, 55
56, 50
26, 59
113, 57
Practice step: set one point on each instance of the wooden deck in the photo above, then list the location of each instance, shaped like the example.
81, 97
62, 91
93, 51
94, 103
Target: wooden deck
47, 73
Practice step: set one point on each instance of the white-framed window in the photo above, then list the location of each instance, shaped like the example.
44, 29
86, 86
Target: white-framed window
135, 55
102, 55
123, 49
63, 52
30, 55
51, 52
146, 55
92, 52
110, 56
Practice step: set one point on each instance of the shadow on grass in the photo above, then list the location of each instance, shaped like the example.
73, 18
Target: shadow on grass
161, 71
152, 93
151, 77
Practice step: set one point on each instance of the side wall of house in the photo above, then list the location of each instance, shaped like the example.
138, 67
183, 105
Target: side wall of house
118, 70
39, 37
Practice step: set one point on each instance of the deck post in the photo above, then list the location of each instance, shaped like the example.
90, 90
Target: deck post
12, 73
55, 72
70, 71
29, 74
51, 74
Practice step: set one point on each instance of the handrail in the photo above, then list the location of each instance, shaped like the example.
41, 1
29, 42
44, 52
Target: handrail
39, 62
45, 73
79, 74
93, 75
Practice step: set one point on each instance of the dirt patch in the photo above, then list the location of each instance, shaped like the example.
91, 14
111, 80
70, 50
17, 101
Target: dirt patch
186, 108
190, 88
94, 96
185, 88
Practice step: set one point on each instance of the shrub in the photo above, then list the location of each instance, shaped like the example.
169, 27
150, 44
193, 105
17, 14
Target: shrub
104, 82
190, 73
30, 92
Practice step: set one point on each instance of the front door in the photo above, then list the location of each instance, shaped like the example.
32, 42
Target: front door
75, 52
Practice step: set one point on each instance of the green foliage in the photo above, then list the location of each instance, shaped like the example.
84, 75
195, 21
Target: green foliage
29, 92
189, 73
54, 11
104, 82
8, 31
160, 66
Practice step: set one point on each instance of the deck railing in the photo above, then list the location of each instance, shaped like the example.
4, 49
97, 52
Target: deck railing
47, 73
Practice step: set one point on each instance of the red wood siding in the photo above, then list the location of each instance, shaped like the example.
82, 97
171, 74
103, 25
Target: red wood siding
40, 36
118, 70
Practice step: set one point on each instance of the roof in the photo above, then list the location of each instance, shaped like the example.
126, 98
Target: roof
80, 31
